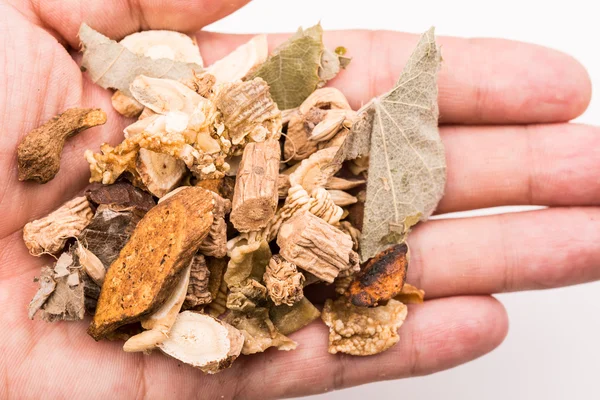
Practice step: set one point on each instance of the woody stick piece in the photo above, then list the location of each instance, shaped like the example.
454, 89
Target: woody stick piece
255, 195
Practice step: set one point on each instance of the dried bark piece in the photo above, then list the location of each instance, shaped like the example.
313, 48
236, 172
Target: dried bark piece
407, 168
283, 281
291, 319
112, 65
410, 295
316, 246
362, 331
283, 185
249, 112
119, 195
297, 145
66, 302
47, 286
381, 278
160, 173
163, 243
292, 69
159, 323
255, 196
203, 342
246, 296
125, 105
242, 61
197, 290
215, 244
48, 235
39, 152
259, 332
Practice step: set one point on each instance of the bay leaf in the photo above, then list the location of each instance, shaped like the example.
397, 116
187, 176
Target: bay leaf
110, 65
292, 70
407, 167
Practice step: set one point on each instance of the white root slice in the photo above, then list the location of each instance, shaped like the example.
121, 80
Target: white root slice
164, 44
237, 64
159, 172
91, 264
161, 321
164, 95
203, 342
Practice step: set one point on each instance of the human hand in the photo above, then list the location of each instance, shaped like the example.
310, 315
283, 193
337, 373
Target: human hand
502, 106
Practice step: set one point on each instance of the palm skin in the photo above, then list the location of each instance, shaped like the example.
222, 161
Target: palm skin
506, 144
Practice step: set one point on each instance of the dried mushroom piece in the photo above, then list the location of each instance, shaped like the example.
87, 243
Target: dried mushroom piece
259, 332
203, 342
240, 62
146, 271
291, 319
410, 295
197, 291
255, 195
39, 152
159, 323
283, 281
48, 235
362, 331
316, 246
381, 278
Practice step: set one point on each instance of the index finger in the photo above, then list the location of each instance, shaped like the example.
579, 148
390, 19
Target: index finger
482, 81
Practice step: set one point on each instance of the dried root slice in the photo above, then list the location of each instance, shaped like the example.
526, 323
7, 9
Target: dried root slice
148, 267
312, 172
215, 244
362, 331
163, 44
39, 153
255, 195
291, 319
240, 62
160, 173
410, 295
160, 322
125, 105
259, 331
203, 342
316, 246
197, 289
381, 278
48, 235
165, 95
283, 281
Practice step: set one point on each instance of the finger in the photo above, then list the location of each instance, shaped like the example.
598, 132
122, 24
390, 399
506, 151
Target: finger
503, 253
120, 18
552, 165
481, 81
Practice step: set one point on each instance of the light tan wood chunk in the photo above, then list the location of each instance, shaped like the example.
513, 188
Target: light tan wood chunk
255, 195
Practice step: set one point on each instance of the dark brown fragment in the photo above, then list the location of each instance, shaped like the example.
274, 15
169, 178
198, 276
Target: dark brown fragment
381, 278
148, 267
120, 195
40, 150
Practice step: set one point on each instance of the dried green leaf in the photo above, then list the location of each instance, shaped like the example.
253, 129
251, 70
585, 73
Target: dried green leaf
292, 70
111, 65
407, 168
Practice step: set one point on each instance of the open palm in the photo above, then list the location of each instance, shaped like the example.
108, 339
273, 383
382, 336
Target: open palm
503, 105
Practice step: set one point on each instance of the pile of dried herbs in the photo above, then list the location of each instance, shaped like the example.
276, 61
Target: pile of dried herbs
238, 185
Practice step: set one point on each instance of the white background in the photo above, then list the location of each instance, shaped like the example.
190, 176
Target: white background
553, 347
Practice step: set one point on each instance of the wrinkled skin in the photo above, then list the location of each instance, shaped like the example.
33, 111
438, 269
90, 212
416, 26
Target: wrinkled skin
495, 87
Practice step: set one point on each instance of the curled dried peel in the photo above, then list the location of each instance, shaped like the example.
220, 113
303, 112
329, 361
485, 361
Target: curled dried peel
203, 342
49, 234
362, 331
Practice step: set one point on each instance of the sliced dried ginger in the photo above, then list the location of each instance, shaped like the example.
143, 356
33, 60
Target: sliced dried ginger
362, 331
259, 331
48, 235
